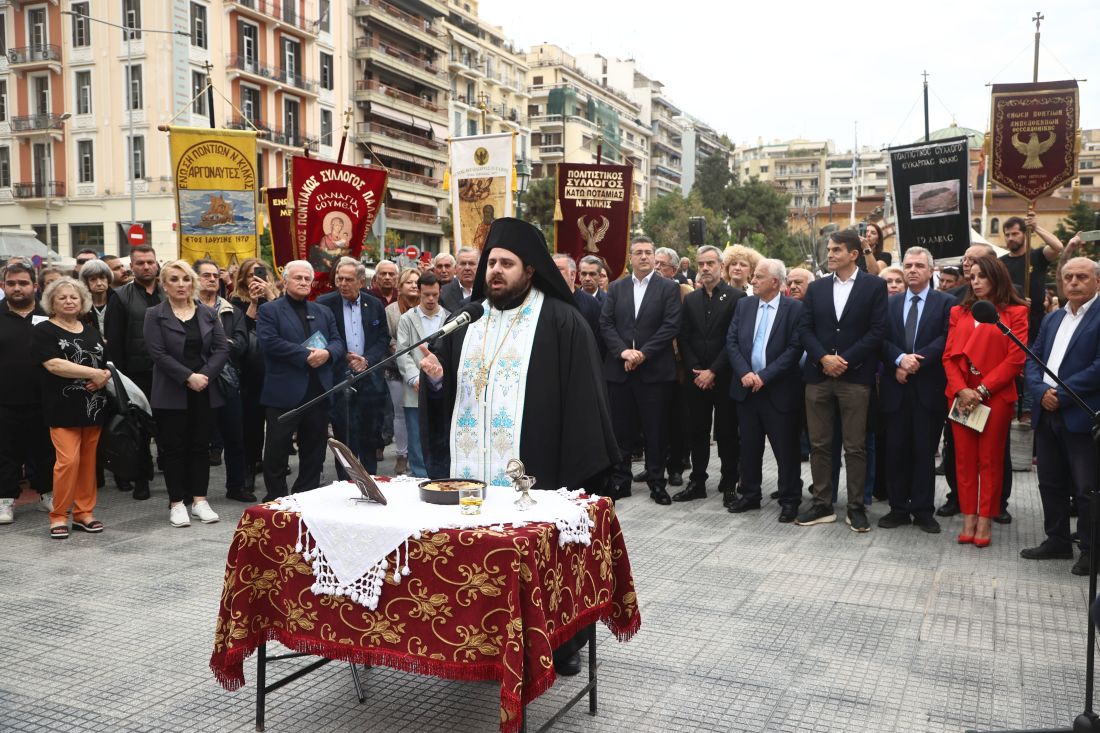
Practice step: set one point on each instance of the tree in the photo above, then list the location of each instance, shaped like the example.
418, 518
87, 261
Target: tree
1081, 217
265, 247
666, 221
712, 179
538, 204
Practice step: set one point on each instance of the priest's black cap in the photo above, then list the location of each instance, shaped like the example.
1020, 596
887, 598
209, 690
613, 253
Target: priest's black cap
527, 242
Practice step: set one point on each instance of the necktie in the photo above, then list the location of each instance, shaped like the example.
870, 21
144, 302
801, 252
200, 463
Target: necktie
911, 325
758, 340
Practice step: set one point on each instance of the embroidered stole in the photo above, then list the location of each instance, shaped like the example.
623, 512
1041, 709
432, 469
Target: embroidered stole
486, 426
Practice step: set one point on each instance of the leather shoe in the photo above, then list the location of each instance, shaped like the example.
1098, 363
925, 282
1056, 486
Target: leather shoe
642, 476
1082, 566
788, 514
141, 490
926, 523
658, 494
774, 495
675, 479
1048, 550
743, 504
729, 498
567, 666
690, 492
725, 485
241, 495
893, 520
949, 509
1003, 518
124, 484
621, 491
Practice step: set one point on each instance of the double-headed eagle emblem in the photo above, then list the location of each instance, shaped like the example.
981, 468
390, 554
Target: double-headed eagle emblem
593, 232
1033, 148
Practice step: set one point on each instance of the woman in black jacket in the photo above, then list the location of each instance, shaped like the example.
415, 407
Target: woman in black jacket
253, 288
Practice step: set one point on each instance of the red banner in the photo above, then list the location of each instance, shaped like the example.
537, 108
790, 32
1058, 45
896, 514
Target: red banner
334, 206
280, 220
595, 206
1034, 130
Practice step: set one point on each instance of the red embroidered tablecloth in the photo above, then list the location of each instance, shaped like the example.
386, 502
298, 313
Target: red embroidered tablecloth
479, 604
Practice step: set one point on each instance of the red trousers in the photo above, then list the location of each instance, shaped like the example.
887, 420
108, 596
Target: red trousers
979, 461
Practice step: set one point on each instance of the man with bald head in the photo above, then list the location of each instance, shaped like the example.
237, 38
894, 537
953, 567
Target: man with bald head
1069, 343
798, 280
384, 282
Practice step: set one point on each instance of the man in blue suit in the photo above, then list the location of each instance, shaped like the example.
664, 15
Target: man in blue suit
763, 348
1069, 342
361, 321
300, 343
843, 323
911, 393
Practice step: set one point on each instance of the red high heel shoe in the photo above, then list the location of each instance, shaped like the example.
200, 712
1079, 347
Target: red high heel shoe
982, 542
966, 539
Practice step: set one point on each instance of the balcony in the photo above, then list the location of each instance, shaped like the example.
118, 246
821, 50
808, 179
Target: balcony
415, 217
275, 136
366, 88
373, 128
400, 61
24, 58
285, 14
393, 143
38, 190
420, 28
260, 72
36, 123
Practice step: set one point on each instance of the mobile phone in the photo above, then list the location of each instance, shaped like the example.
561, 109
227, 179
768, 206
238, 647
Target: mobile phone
259, 271
1090, 236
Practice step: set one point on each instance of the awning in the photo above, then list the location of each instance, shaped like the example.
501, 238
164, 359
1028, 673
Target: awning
414, 198
379, 147
23, 243
440, 131
391, 114
421, 124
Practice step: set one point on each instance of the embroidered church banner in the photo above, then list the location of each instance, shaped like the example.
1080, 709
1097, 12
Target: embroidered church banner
215, 177
930, 186
1034, 130
481, 185
595, 207
280, 219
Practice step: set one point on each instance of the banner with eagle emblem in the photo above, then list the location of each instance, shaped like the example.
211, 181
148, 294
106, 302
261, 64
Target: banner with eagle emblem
595, 213
481, 181
1034, 136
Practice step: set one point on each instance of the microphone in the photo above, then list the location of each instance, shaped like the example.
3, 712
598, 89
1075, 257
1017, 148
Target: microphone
464, 316
985, 312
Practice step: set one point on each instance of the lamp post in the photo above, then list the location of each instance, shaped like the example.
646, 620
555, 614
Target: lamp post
48, 183
523, 181
129, 31
832, 200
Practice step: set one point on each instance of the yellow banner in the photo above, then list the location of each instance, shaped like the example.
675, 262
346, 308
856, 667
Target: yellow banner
216, 209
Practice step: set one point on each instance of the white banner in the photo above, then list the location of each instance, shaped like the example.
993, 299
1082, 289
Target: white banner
481, 184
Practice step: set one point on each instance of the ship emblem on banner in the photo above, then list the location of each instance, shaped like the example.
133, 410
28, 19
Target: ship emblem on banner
1034, 131
481, 178
215, 177
595, 212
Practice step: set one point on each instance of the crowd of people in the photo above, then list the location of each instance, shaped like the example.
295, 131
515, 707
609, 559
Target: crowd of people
869, 364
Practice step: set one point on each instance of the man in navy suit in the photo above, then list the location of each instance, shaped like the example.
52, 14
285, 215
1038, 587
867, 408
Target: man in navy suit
590, 268
361, 321
764, 350
1069, 342
911, 393
842, 326
638, 322
294, 374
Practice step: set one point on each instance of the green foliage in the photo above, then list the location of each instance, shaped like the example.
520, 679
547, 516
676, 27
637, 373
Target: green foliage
448, 223
538, 205
712, 179
666, 221
265, 248
1081, 217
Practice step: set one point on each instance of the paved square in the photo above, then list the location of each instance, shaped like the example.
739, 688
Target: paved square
748, 625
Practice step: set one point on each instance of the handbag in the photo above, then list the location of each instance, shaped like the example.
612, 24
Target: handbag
125, 435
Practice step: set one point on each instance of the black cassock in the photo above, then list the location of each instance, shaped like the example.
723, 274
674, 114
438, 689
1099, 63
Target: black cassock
566, 437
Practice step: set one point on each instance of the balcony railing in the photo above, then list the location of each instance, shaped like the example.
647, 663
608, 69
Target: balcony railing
421, 24
416, 61
414, 178
276, 136
31, 123
373, 128
285, 11
33, 54
403, 215
38, 189
369, 85
252, 66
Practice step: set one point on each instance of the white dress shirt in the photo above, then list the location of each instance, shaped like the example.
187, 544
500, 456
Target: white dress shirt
640, 286
1062, 337
841, 290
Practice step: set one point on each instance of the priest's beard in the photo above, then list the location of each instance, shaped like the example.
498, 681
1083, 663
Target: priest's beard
512, 296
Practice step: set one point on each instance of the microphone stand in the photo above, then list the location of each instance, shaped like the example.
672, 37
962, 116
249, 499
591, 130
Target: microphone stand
352, 380
1087, 721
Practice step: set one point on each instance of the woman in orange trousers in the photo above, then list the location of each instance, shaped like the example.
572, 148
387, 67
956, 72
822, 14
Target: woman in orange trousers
982, 365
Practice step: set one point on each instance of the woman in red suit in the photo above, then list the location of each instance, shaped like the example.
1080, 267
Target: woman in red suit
982, 365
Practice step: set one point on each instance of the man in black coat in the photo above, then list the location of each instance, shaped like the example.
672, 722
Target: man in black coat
764, 351
706, 319
639, 320
588, 305
911, 392
456, 293
361, 323
842, 327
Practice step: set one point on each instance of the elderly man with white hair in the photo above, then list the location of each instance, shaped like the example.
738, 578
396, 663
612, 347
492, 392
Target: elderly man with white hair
300, 343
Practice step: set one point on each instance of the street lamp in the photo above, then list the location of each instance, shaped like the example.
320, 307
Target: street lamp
832, 200
61, 124
523, 181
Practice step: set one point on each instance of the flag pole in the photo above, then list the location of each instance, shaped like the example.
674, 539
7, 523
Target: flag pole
1039, 17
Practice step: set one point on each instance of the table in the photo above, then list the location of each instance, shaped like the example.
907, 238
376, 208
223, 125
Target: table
479, 604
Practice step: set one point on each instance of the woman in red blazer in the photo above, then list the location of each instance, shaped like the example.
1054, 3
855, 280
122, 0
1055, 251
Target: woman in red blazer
982, 365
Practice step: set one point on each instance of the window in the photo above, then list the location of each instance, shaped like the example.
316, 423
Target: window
259, 169
131, 18
763, 169
198, 25
976, 224
247, 43
41, 86
36, 26
198, 91
291, 52
82, 35
133, 87
250, 104
5, 167
137, 157
1086, 180
326, 71
3, 34
291, 110
995, 226
3, 100
471, 127
536, 81
324, 10
83, 92
85, 161
86, 236
326, 127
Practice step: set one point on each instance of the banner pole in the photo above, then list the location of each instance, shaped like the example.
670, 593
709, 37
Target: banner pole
1039, 17
210, 94
344, 139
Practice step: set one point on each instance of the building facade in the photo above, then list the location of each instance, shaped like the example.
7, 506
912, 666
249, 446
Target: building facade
701, 141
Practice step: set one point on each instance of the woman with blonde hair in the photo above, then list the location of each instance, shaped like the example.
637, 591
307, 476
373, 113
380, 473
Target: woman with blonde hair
738, 264
895, 279
73, 401
187, 344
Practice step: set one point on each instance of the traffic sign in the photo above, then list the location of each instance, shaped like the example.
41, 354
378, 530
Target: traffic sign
136, 235
411, 252
36, 260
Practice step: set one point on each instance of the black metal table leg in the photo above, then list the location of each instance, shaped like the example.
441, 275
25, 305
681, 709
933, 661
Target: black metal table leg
261, 685
592, 669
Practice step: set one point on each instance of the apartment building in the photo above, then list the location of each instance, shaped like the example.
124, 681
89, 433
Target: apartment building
701, 141
795, 167
872, 175
1087, 185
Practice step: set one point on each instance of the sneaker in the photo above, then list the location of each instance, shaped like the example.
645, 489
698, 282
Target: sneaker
816, 514
45, 502
7, 511
857, 520
201, 511
177, 516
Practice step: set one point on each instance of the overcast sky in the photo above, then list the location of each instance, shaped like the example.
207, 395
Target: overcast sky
805, 68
